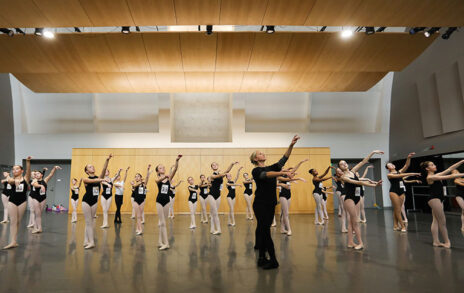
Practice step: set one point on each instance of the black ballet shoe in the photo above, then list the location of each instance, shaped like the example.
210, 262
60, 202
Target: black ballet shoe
272, 264
262, 261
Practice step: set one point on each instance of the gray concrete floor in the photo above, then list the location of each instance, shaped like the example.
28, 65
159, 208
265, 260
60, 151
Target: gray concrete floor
313, 259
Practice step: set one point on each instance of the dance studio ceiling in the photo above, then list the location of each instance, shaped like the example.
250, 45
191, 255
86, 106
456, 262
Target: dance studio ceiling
86, 13
196, 62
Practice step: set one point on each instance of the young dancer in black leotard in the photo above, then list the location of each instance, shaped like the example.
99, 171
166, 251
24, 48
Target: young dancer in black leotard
30, 202
162, 201
341, 193
38, 195
75, 198
18, 199
89, 201
107, 195
398, 191
436, 198
172, 196
7, 190
140, 191
459, 182
352, 197
231, 185
265, 201
317, 193
248, 195
192, 201
285, 194
214, 199
204, 193
119, 195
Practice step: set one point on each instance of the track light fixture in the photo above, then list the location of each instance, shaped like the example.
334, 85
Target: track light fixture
48, 34
137, 29
370, 30
415, 30
125, 29
209, 29
38, 31
323, 28
381, 29
270, 29
7, 31
19, 31
77, 30
431, 31
448, 33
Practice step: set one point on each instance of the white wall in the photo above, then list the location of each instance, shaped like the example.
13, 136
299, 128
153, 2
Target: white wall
343, 145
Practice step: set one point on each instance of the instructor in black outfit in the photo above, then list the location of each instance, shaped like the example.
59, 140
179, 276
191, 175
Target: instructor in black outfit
265, 202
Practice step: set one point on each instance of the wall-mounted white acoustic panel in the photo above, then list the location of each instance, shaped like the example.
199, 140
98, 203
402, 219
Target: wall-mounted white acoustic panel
429, 106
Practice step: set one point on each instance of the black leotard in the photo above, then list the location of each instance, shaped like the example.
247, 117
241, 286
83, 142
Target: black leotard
353, 191
324, 195
163, 193
397, 185
19, 193
172, 191
362, 191
75, 193
37, 194
436, 190
248, 188
92, 191
231, 189
204, 192
193, 194
284, 192
459, 191
317, 187
216, 186
7, 189
133, 192
107, 191
341, 188
140, 194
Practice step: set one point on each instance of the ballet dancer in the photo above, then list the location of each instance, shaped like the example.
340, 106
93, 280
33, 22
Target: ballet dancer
106, 195
248, 195
436, 198
140, 187
460, 196
118, 195
90, 200
204, 192
352, 197
7, 190
162, 201
284, 186
341, 192
317, 193
75, 198
172, 196
39, 195
132, 199
231, 185
324, 201
398, 191
192, 201
265, 201
30, 204
18, 199
214, 199
361, 210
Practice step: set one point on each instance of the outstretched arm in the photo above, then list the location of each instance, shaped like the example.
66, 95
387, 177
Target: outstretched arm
366, 170
175, 186
148, 175
125, 174
325, 173
407, 164
436, 177
346, 179
402, 175
453, 167
105, 166
365, 160
238, 174
299, 164
173, 173
28, 169
116, 176
52, 172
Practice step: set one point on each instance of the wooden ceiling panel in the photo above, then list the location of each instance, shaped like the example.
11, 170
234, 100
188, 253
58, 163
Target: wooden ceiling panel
311, 81
234, 51
51, 82
227, 81
143, 82
108, 12
304, 51
163, 51
256, 81
171, 81
128, 51
197, 12
244, 12
87, 82
199, 81
23, 12
337, 51
198, 51
152, 12
287, 12
269, 51
116, 82
61, 13
95, 53
334, 12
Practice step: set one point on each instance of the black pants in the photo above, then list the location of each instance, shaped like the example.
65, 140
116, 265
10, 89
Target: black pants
118, 201
264, 214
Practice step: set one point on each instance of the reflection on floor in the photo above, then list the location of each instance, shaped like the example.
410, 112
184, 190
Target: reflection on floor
314, 258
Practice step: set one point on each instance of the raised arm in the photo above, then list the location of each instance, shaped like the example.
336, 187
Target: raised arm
365, 160
402, 175
44, 169
88, 180
437, 177
213, 176
180, 181
105, 166
148, 175
459, 181
290, 147
173, 173
325, 173
80, 182
408, 163
125, 174
299, 164
28, 169
117, 174
238, 174
52, 172
346, 179
453, 167
366, 170
412, 181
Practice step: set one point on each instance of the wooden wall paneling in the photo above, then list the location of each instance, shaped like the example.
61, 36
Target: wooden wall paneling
269, 51
128, 52
188, 166
94, 51
199, 81
108, 12
24, 12
163, 51
61, 13
197, 12
198, 51
256, 81
227, 81
152, 12
287, 12
244, 12
143, 82
171, 81
234, 51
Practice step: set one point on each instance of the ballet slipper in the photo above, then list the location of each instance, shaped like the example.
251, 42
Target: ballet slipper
439, 244
90, 246
446, 245
36, 231
104, 226
405, 221
283, 231
30, 226
350, 245
344, 231
404, 230
11, 245
138, 233
164, 247
217, 233
359, 247
289, 233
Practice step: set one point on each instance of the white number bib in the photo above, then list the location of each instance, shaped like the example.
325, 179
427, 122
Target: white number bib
233, 187
33, 188
20, 187
402, 185
321, 185
194, 195
108, 190
444, 190
8, 186
220, 187
250, 186
95, 191
205, 191
357, 191
42, 192
164, 189
173, 191
141, 191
